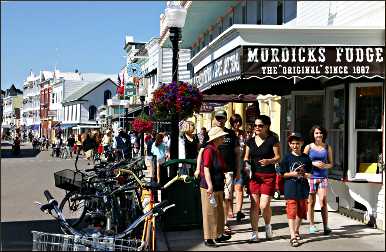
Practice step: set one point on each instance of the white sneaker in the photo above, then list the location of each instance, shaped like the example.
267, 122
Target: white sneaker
268, 232
254, 237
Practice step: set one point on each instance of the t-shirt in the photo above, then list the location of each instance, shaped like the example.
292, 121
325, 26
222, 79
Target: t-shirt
227, 150
295, 188
212, 159
264, 151
191, 147
159, 151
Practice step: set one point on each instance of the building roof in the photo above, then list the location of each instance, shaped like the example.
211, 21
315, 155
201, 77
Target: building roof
97, 76
87, 88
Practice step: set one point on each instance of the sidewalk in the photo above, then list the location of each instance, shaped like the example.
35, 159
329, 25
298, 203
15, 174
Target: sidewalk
348, 234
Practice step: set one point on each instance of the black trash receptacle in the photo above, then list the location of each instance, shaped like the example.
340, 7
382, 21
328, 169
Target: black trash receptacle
187, 213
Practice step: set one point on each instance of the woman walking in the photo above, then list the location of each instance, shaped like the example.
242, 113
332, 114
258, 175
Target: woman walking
320, 154
263, 151
212, 189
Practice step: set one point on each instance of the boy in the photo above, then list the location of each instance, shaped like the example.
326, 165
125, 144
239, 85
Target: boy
296, 168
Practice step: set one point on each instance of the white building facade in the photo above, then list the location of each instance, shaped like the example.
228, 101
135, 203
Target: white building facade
31, 104
221, 39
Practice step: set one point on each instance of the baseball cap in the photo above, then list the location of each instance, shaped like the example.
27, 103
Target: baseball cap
221, 113
295, 136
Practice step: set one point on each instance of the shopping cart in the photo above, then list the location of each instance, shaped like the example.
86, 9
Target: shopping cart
61, 242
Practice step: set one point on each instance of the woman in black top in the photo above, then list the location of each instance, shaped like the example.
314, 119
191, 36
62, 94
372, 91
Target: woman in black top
263, 151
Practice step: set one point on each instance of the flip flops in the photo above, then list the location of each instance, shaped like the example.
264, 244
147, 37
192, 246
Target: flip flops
294, 242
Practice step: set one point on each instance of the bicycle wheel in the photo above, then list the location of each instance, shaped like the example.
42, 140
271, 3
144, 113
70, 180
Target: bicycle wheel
73, 210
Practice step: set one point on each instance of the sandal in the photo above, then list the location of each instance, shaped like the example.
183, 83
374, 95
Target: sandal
294, 242
231, 215
298, 237
227, 230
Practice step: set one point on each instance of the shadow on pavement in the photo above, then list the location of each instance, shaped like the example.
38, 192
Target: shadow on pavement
17, 235
24, 153
348, 231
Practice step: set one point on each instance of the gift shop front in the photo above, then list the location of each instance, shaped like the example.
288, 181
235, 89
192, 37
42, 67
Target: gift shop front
330, 76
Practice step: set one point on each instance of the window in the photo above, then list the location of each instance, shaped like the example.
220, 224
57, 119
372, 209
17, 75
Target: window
106, 96
92, 113
308, 112
269, 12
335, 125
53, 98
289, 10
365, 130
253, 12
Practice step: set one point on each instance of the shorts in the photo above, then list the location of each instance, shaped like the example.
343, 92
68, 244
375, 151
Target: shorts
318, 183
296, 208
262, 183
228, 187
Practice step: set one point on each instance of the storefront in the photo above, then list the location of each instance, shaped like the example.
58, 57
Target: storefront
329, 76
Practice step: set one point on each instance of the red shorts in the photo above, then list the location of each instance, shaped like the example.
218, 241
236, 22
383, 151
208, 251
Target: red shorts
296, 208
262, 183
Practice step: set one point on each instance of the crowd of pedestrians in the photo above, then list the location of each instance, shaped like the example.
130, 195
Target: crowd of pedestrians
230, 160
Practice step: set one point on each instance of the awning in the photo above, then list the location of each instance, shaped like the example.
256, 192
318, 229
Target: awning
264, 59
67, 125
87, 127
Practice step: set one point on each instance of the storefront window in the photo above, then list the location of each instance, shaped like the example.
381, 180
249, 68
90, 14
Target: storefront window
286, 120
368, 124
335, 128
239, 14
308, 112
368, 107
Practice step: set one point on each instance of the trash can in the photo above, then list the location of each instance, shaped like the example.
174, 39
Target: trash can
187, 213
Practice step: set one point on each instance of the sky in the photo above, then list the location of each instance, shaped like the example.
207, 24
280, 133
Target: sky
88, 36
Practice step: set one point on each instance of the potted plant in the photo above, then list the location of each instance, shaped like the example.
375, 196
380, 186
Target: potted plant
180, 99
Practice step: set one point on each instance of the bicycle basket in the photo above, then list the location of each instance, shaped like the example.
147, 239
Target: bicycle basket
60, 242
68, 180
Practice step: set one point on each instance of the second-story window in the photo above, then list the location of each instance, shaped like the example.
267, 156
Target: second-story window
92, 113
53, 98
106, 96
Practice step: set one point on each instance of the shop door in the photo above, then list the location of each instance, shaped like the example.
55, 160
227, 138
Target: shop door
309, 111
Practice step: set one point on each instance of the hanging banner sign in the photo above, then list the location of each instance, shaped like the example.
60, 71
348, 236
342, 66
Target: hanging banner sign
224, 67
313, 61
130, 89
134, 70
207, 107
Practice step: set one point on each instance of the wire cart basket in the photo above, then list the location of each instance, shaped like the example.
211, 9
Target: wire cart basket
68, 180
60, 242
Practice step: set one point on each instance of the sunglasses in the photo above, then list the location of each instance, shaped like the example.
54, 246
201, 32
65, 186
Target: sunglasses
259, 125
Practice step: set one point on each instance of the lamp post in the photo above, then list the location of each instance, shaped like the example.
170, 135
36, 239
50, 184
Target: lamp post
142, 95
175, 20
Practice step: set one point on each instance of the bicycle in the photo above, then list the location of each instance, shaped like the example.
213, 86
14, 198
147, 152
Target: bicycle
82, 237
148, 203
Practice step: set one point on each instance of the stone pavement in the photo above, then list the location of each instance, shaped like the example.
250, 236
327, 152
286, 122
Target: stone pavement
348, 234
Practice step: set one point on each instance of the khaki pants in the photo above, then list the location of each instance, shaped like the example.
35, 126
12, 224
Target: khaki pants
212, 218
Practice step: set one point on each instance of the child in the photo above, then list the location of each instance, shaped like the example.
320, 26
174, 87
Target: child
296, 167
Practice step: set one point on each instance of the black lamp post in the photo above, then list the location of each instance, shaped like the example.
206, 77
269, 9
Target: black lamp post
142, 96
175, 20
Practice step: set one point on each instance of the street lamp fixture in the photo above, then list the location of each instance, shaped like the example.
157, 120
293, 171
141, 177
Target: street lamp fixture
175, 20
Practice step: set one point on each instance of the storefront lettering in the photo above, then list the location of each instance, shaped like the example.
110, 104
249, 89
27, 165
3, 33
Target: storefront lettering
226, 66
315, 61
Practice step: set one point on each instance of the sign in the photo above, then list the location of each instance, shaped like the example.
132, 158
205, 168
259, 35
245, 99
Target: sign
134, 70
52, 113
130, 89
207, 107
224, 67
313, 61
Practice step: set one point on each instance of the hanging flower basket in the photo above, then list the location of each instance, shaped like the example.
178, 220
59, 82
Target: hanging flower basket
142, 124
171, 99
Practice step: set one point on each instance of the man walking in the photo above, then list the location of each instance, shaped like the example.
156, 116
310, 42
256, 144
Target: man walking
230, 150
